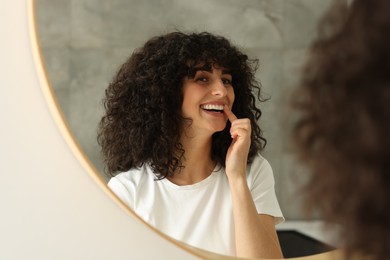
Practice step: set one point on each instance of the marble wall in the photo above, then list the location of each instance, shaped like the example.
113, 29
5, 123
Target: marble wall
85, 41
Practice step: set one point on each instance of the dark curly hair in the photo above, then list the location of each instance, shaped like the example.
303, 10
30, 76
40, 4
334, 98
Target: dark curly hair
343, 131
143, 102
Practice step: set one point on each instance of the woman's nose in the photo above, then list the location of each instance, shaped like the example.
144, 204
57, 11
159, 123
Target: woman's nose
218, 89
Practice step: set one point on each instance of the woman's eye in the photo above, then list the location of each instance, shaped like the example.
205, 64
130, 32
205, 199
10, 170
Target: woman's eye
227, 81
201, 79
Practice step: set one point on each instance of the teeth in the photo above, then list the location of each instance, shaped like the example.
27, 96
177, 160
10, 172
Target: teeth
212, 107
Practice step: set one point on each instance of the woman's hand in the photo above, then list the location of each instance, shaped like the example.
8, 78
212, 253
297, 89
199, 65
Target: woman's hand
237, 154
255, 233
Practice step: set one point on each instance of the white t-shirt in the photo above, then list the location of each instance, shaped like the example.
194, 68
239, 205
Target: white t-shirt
201, 214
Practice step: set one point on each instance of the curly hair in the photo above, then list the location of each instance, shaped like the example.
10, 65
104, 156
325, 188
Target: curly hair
343, 130
143, 102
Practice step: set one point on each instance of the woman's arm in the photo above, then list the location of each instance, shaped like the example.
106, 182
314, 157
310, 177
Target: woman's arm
255, 233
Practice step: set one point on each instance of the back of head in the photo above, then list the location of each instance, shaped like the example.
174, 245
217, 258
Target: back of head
343, 133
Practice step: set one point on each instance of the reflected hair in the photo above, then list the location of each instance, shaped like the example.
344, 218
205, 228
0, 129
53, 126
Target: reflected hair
143, 119
343, 131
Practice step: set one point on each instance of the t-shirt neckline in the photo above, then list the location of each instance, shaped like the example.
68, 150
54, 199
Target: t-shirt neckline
217, 170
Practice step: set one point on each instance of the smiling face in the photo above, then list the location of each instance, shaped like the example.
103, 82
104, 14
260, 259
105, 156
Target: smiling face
204, 96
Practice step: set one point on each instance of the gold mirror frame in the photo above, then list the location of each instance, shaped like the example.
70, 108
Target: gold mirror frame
87, 165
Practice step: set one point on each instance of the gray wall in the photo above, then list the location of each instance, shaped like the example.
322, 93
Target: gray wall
85, 41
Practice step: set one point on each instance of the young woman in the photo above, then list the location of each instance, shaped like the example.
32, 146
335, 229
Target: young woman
343, 131
181, 140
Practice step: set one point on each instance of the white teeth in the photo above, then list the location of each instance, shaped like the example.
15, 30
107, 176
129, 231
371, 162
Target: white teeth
212, 107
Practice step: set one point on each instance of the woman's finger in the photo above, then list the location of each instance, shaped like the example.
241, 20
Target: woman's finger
239, 132
242, 122
229, 114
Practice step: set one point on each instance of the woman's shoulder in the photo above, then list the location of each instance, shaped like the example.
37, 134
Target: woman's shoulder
259, 162
259, 169
134, 175
126, 184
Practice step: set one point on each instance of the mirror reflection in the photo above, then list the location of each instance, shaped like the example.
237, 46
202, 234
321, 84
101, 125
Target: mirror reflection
179, 128
85, 42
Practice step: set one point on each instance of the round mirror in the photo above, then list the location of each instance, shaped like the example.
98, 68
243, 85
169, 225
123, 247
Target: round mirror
84, 43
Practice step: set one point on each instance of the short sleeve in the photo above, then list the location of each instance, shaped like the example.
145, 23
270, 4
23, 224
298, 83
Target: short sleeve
125, 191
262, 186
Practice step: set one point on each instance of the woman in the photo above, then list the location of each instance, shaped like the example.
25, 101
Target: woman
180, 137
343, 133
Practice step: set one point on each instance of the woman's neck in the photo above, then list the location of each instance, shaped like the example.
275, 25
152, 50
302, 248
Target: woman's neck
196, 161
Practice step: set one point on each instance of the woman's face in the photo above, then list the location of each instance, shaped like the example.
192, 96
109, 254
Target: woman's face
204, 96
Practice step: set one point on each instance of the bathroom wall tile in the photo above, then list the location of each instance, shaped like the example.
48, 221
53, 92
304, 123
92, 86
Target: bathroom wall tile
257, 23
288, 182
133, 22
277, 167
57, 65
53, 26
87, 88
89, 23
115, 57
300, 21
253, 24
268, 73
291, 180
293, 62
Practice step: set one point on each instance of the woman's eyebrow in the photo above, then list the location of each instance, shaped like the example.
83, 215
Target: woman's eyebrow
202, 69
226, 71
193, 71
206, 67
